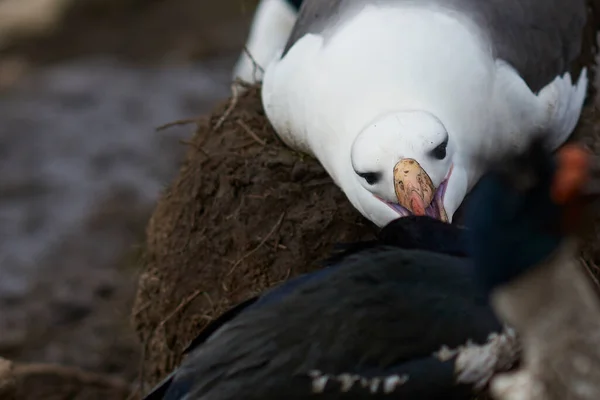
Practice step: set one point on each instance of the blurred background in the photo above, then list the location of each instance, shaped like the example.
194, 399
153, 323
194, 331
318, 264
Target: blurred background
83, 85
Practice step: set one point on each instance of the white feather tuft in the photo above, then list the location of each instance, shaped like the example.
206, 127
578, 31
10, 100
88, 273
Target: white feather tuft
564, 103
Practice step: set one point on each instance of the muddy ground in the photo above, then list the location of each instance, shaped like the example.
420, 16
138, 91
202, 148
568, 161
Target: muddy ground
81, 165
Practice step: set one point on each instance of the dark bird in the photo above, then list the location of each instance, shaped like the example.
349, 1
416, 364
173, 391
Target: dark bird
525, 217
398, 317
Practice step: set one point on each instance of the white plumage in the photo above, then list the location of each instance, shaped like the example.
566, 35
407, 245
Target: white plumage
376, 95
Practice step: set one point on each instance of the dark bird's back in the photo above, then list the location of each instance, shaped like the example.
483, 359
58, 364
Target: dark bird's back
377, 313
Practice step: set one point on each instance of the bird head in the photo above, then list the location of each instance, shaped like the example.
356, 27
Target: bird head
406, 161
524, 208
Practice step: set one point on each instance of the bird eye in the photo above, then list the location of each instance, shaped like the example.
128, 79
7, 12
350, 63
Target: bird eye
440, 151
371, 177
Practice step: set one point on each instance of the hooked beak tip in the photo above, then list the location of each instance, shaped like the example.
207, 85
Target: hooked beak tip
415, 190
412, 185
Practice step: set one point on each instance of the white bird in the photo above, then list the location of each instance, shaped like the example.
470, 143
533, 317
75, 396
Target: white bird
271, 26
393, 97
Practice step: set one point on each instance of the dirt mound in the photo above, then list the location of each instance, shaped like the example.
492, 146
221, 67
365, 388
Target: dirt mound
244, 213
53, 382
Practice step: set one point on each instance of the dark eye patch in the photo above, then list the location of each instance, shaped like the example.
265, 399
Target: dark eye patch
371, 177
440, 150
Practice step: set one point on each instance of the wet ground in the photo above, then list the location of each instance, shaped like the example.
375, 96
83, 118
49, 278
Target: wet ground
81, 165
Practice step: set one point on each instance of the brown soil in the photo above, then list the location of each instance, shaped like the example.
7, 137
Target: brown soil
244, 213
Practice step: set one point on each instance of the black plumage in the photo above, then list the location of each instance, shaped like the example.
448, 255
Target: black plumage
524, 225
374, 316
296, 4
514, 224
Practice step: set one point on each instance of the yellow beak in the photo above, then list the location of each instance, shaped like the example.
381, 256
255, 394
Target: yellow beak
414, 188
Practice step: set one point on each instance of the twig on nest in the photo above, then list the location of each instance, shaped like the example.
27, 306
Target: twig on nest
141, 371
212, 304
235, 94
213, 311
180, 307
195, 146
250, 132
588, 268
262, 242
162, 323
255, 65
177, 123
244, 145
242, 83
140, 310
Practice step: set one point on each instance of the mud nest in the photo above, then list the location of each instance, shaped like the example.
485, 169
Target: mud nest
52, 382
244, 214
